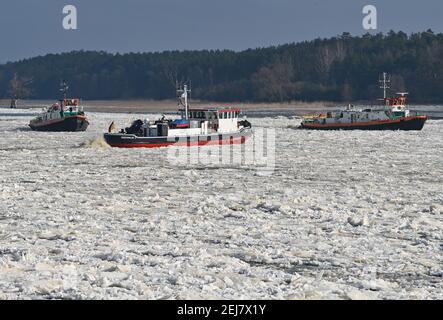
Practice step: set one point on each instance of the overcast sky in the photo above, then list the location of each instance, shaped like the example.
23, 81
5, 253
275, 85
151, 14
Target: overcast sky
34, 27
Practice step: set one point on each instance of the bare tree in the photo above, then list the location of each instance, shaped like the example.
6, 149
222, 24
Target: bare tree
18, 89
397, 83
326, 56
171, 74
346, 92
274, 83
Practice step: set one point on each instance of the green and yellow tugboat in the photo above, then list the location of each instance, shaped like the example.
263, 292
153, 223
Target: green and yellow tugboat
66, 115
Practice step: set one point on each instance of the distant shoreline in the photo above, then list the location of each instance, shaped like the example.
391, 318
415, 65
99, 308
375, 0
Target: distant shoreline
295, 108
168, 106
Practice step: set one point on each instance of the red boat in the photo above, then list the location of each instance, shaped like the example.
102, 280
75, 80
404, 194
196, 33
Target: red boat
196, 127
67, 115
393, 115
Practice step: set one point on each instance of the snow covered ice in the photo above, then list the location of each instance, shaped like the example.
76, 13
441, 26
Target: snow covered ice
345, 215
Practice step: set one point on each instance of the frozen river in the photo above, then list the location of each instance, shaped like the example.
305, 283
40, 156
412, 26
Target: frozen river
344, 215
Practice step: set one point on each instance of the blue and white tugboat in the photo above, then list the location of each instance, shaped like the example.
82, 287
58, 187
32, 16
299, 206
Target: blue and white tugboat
196, 127
392, 115
66, 115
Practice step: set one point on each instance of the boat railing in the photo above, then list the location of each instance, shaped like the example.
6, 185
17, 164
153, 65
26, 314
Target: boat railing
416, 113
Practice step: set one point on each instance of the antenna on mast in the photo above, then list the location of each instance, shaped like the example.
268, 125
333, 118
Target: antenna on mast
183, 96
64, 88
384, 83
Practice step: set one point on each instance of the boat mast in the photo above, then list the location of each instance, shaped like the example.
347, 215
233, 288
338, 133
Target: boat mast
183, 94
185, 98
64, 90
384, 84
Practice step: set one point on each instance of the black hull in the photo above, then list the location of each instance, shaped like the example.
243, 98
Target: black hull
415, 124
120, 140
71, 124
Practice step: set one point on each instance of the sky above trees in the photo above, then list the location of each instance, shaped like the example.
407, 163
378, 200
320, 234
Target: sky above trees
29, 28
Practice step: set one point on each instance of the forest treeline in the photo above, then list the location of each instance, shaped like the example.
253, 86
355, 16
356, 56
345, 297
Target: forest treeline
341, 68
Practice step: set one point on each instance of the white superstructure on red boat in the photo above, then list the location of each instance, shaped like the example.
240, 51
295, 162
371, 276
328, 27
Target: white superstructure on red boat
392, 115
204, 126
66, 115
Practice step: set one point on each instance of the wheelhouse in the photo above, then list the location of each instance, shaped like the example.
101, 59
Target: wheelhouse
393, 102
71, 102
211, 114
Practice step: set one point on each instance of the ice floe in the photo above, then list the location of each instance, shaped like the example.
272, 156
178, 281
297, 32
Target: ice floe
344, 215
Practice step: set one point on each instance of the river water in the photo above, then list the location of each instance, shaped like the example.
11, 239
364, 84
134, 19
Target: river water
338, 215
